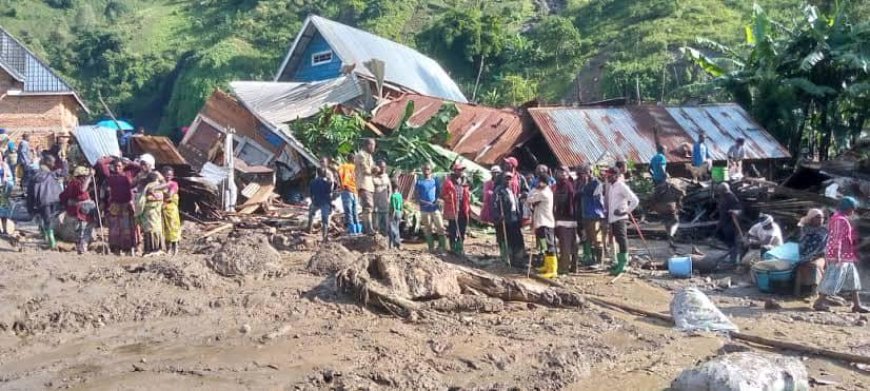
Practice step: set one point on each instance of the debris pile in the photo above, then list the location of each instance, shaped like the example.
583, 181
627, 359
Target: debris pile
247, 253
408, 282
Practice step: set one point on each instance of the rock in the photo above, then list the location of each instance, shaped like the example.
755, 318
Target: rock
745, 371
246, 328
249, 253
723, 283
771, 304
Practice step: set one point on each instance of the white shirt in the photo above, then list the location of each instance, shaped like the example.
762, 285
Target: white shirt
771, 237
541, 201
620, 198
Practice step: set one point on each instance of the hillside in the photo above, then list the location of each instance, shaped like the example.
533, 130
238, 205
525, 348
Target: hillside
156, 60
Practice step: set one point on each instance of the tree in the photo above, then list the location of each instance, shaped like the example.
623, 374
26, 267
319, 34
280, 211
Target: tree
807, 83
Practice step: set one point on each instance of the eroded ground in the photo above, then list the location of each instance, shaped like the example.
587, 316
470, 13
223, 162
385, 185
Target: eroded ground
106, 323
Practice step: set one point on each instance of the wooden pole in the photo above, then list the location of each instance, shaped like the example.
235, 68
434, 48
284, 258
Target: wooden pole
810, 350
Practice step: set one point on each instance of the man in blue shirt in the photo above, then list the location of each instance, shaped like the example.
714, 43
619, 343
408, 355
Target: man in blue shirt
427, 197
700, 154
658, 166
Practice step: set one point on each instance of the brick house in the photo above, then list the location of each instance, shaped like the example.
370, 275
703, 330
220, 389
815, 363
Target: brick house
33, 98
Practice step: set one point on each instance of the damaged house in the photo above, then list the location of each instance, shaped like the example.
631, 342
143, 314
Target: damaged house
33, 98
328, 65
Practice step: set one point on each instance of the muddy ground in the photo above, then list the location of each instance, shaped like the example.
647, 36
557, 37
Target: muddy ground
100, 322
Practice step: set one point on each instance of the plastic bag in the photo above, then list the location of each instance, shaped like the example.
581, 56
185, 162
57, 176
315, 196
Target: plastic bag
693, 311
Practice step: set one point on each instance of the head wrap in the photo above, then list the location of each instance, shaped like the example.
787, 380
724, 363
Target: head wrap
766, 219
81, 171
512, 161
495, 169
847, 203
148, 159
811, 214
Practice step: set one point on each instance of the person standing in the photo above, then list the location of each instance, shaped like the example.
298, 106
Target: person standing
540, 201
43, 197
486, 211
507, 217
811, 249
123, 231
383, 191
658, 166
457, 207
7, 184
736, 155
24, 159
397, 206
347, 180
729, 208
621, 201
315, 206
701, 161
591, 213
321, 189
150, 212
427, 197
566, 221
78, 204
365, 169
171, 212
7, 149
841, 255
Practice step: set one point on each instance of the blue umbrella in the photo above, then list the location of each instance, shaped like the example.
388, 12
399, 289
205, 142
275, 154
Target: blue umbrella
114, 125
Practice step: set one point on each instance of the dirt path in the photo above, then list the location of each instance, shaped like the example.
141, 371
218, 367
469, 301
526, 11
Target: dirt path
105, 323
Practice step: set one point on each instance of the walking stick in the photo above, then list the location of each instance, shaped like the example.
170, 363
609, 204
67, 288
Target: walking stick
97, 203
640, 233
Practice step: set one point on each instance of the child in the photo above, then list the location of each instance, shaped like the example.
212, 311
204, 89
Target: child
171, 215
396, 207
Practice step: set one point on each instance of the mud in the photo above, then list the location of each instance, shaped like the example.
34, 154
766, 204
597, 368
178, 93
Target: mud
330, 258
99, 322
243, 255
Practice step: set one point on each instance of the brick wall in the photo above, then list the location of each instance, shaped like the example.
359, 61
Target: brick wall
43, 116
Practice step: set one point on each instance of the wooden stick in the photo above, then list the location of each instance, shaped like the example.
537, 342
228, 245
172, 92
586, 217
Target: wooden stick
811, 350
216, 230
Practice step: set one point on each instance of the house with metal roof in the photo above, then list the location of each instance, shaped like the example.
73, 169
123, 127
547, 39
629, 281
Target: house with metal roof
34, 98
258, 114
326, 49
584, 135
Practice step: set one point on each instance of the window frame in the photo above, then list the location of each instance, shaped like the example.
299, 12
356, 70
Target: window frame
314, 56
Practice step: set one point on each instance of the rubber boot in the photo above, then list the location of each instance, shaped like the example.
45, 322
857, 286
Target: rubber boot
504, 253
619, 267
551, 266
597, 256
430, 242
52, 243
588, 258
460, 248
442, 243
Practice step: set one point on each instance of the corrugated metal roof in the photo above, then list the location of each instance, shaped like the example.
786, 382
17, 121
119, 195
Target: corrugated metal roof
723, 124
160, 147
581, 135
404, 66
282, 102
483, 134
96, 142
26, 67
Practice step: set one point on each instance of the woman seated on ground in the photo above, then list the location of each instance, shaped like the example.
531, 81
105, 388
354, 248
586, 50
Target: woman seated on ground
811, 266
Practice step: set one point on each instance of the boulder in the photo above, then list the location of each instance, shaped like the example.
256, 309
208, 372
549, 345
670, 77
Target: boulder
745, 371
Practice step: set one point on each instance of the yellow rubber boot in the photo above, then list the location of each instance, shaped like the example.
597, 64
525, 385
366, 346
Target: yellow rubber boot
551, 267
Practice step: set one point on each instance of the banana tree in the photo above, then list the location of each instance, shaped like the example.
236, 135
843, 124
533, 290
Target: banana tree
408, 147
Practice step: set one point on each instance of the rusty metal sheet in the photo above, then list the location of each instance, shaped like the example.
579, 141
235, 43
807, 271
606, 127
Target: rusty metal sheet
160, 147
587, 134
483, 134
723, 124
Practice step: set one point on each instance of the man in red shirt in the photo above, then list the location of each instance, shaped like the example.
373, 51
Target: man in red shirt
457, 207
78, 205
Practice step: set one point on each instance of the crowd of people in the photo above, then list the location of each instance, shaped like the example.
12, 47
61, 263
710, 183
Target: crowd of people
138, 204
575, 214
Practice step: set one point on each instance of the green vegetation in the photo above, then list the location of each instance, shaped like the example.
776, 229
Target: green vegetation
155, 61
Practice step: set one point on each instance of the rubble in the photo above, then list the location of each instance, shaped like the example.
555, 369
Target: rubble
244, 254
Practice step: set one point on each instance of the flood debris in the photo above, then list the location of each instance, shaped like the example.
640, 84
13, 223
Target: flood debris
745, 371
245, 254
404, 283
